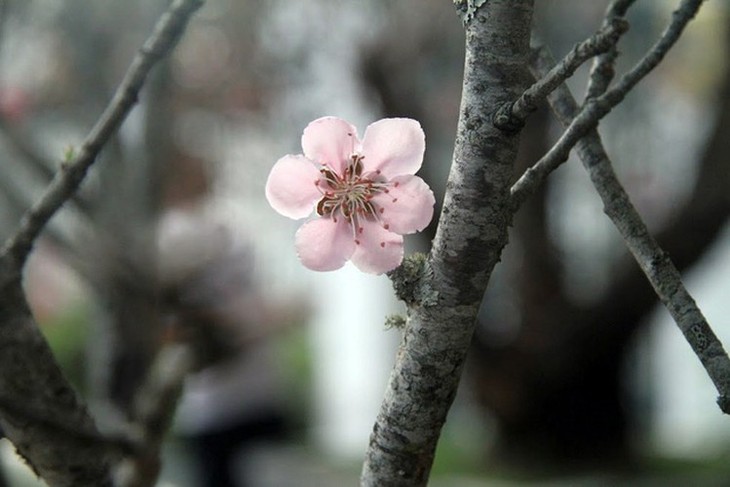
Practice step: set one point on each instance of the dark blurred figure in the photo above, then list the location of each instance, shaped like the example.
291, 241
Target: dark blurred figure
234, 401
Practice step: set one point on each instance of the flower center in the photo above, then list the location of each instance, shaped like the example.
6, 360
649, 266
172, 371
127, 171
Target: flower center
350, 193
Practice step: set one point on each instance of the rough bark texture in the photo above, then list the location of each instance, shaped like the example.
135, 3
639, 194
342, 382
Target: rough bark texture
32, 379
471, 234
556, 387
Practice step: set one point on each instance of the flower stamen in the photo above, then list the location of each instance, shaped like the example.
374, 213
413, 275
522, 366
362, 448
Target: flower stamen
351, 194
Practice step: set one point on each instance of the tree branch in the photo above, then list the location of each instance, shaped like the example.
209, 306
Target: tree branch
27, 149
140, 442
602, 70
112, 444
597, 108
653, 261
154, 409
19, 199
511, 116
471, 233
67, 180
30, 376
29, 373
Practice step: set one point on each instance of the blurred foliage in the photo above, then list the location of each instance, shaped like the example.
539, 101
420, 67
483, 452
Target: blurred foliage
67, 333
295, 359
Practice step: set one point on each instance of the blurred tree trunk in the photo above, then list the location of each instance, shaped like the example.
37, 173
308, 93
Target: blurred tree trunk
554, 378
557, 389
132, 185
555, 385
42, 415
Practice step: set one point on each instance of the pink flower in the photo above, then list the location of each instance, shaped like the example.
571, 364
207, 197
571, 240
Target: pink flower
365, 191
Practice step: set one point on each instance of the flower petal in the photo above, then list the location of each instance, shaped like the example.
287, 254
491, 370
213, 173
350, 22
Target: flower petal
291, 188
407, 207
393, 146
330, 141
324, 244
377, 250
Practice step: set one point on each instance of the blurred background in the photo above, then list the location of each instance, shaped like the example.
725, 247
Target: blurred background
576, 376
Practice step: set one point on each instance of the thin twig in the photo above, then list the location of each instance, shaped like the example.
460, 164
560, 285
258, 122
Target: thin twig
26, 148
512, 116
597, 108
18, 141
67, 180
17, 200
42, 165
602, 71
155, 407
653, 261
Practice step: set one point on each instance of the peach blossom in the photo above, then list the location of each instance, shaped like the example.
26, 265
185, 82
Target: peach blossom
363, 193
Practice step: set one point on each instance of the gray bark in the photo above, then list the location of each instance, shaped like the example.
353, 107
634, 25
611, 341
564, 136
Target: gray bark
40, 412
653, 261
471, 234
32, 381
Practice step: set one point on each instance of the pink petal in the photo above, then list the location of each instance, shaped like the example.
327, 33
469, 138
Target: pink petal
407, 207
291, 189
330, 141
324, 244
377, 250
393, 146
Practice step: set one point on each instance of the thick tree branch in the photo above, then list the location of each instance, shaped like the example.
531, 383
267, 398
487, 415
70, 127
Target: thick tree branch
511, 116
140, 442
113, 444
471, 233
654, 262
597, 108
67, 180
29, 373
30, 376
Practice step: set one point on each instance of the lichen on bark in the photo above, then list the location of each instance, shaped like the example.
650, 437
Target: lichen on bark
411, 281
471, 233
467, 9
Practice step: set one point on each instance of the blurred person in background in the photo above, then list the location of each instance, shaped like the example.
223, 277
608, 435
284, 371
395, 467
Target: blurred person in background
233, 400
